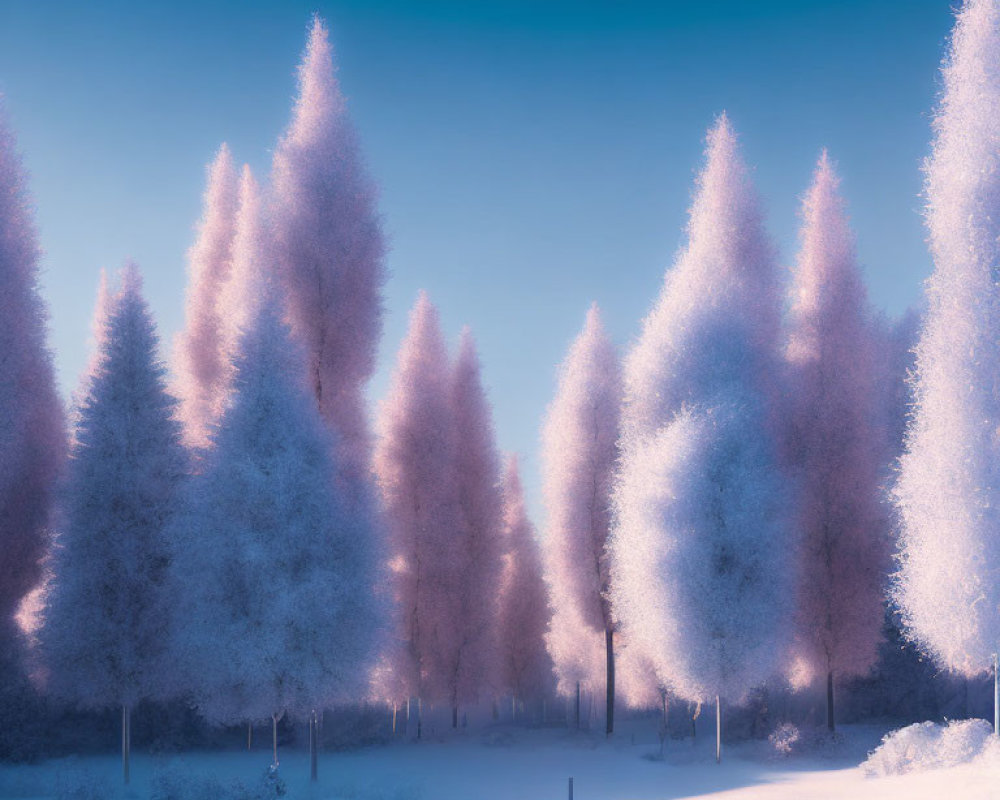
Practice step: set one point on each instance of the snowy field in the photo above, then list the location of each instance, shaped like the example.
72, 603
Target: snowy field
505, 763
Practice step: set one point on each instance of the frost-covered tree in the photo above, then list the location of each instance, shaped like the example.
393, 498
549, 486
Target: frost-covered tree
579, 451
200, 360
475, 557
525, 665
32, 426
414, 461
836, 440
329, 249
104, 630
273, 570
948, 492
701, 577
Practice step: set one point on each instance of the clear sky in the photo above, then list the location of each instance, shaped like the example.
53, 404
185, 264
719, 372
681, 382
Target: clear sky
532, 156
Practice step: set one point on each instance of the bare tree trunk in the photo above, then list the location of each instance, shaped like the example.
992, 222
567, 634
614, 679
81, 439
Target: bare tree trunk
420, 720
830, 723
996, 695
394, 718
663, 721
249, 735
578, 705
274, 739
126, 741
454, 717
718, 730
313, 746
513, 708
610, 645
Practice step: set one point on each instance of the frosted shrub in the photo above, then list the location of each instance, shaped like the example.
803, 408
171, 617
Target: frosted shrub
784, 738
928, 745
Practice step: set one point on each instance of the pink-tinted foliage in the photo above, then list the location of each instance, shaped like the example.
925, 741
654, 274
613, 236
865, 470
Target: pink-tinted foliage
414, 460
947, 492
702, 577
32, 425
837, 441
476, 554
330, 249
525, 665
241, 297
579, 449
201, 362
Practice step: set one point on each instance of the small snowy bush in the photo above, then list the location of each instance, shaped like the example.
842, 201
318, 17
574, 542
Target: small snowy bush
928, 745
784, 738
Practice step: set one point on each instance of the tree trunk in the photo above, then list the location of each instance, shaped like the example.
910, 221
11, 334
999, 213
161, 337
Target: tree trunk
996, 696
274, 739
663, 722
454, 717
718, 730
513, 708
420, 721
249, 735
394, 718
313, 746
578, 705
126, 741
830, 723
610, 645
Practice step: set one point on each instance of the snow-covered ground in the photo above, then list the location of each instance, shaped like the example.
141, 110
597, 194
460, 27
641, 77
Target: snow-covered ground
514, 764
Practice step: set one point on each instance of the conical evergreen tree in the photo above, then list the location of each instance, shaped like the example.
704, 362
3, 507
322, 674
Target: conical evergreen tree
330, 251
274, 570
580, 450
105, 625
837, 441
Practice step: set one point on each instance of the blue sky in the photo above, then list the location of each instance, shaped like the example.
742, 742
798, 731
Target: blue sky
532, 156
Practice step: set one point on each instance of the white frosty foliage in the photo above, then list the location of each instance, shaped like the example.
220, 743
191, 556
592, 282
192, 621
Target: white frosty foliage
702, 513
948, 492
274, 575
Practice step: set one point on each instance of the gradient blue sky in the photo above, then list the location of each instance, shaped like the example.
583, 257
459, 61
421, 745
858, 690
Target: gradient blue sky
532, 156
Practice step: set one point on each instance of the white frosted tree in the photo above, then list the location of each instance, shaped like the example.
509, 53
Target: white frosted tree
274, 568
579, 453
104, 634
701, 577
948, 491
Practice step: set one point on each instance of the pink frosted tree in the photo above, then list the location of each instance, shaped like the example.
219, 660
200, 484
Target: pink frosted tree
579, 449
701, 577
414, 460
476, 555
948, 494
329, 249
525, 665
200, 359
836, 440
32, 425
